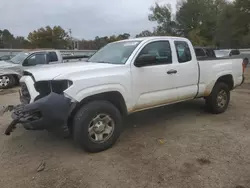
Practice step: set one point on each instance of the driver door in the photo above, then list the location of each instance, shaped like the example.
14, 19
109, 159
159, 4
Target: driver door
154, 84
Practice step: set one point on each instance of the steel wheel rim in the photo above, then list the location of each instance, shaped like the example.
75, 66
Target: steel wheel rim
101, 128
222, 98
4, 81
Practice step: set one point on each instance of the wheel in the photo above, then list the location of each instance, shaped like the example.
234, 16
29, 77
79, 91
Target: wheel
217, 102
6, 81
97, 126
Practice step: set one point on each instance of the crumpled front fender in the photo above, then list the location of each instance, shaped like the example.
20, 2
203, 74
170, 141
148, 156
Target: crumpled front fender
53, 110
48, 113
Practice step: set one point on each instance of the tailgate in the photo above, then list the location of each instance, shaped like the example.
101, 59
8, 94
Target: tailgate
238, 74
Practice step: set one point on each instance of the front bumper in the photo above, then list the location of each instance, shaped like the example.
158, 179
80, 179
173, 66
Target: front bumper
48, 113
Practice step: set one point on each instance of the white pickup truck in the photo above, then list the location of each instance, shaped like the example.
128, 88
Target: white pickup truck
90, 99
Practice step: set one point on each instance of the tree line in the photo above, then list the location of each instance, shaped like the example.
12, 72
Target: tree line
217, 23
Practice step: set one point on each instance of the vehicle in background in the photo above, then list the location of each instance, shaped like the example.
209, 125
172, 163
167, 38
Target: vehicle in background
232, 53
11, 70
67, 54
90, 100
204, 52
227, 53
6, 57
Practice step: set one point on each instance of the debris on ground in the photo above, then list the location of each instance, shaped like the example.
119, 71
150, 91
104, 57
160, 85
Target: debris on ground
203, 161
239, 186
161, 141
41, 167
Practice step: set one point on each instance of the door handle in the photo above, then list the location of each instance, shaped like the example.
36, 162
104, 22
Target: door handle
172, 71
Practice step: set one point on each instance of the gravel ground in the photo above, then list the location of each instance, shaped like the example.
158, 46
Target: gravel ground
178, 146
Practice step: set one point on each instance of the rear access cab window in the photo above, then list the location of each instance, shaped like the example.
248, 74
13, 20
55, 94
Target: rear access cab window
183, 51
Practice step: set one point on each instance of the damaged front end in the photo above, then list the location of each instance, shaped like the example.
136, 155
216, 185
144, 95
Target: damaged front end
49, 111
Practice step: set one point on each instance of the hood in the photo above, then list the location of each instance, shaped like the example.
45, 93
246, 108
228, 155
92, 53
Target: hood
50, 72
10, 68
6, 65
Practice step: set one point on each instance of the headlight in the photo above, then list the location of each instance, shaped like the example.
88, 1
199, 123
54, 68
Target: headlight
57, 86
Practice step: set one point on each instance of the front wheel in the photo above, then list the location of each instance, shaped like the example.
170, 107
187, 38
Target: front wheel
217, 102
6, 81
97, 125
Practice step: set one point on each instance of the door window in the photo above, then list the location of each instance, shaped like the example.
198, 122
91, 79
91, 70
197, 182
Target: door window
36, 59
160, 49
183, 51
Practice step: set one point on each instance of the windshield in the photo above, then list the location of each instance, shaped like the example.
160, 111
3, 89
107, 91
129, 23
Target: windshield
222, 53
19, 58
115, 53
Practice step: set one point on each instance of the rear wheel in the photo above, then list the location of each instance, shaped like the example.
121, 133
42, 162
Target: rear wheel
7, 81
97, 126
217, 102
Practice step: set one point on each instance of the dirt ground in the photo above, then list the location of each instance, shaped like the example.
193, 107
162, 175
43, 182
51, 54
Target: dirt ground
178, 146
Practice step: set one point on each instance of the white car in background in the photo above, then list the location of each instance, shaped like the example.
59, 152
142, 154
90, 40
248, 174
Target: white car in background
226, 53
11, 70
233, 54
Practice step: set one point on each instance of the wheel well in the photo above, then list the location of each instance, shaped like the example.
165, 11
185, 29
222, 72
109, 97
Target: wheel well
113, 97
227, 79
16, 78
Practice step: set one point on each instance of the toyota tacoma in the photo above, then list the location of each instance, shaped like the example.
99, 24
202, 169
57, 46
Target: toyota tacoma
89, 100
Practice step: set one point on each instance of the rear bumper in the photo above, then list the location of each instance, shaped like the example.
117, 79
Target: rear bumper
48, 113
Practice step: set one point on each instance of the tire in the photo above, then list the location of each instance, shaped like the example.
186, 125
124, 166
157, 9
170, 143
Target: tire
7, 81
86, 122
217, 102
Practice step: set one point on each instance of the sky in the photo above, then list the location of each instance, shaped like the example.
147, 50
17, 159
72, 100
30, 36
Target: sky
86, 18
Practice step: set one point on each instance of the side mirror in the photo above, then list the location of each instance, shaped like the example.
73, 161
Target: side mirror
145, 60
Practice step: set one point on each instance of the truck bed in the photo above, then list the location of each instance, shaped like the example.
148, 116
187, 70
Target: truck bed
216, 58
75, 58
210, 70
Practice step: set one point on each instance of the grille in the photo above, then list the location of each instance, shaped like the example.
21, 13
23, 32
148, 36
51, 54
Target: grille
25, 96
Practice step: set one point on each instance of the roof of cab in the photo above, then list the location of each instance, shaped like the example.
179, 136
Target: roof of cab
39, 50
151, 38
